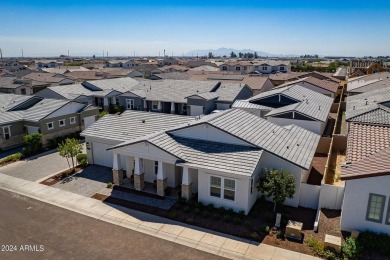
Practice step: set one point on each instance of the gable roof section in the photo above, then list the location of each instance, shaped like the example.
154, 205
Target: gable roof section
324, 84
246, 104
377, 164
295, 144
378, 116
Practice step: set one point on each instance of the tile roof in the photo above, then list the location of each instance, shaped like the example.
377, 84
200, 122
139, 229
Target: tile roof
365, 140
366, 102
324, 84
229, 92
247, 104
204, 68
377, 164
379, 115
11, 82
366, 86
119, 84
310, 103
44, 77
133, 124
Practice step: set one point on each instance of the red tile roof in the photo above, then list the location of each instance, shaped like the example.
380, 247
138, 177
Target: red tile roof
377, 164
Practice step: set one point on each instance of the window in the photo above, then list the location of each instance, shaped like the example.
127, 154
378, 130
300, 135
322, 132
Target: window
281, 68
23, 91
155, 167
229, 189
388, 214
251, 185
265, 67
224, 68
184, 107
155, 105
50, 126
238, 68
130, 103
375, 207
72, 120
218, 184
6, 132
61, 122
215, 186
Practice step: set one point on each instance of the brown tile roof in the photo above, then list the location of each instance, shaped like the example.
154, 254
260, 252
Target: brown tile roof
377, 164
365, 140
324, 84
174, 68
85, 75
44, 77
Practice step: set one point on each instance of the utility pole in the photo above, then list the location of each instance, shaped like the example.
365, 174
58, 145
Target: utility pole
68, 53
164, 53
22, 53
107, 55
1, 54
103, 54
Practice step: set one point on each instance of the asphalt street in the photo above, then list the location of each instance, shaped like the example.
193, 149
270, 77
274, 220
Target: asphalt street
30, 229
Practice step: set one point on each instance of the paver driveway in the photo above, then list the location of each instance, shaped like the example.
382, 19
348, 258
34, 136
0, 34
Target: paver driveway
36, 168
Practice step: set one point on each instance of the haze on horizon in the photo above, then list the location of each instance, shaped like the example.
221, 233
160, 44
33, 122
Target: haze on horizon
86, 28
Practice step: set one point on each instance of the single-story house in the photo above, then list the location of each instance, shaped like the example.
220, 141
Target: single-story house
218, 156
14, 85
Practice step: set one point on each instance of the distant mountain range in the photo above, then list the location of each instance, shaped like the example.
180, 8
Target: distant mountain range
227, 51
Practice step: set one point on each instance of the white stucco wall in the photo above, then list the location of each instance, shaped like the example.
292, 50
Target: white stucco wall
356, 195
268, 160
314, 126
241, 191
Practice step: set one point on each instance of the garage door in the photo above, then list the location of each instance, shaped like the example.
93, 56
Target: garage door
196, 110
101, 156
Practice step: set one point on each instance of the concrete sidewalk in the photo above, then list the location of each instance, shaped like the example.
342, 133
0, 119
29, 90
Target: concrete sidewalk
202, 239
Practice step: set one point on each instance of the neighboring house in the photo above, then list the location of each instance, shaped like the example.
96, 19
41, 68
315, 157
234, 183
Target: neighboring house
120, 64
111, 73
183, 97
219, 156
43, 80
167, 61
21, 115
326, 87
12, 65
368, 83
280, 78
262, 67
366, 204
14, 85
39, 64
206, 68
291, 105
100, 93
359, 68
173, 68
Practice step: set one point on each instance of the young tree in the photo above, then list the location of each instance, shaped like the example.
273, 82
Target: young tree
277, 184
70, 149
210, 56
240, 54
233, 55
255, 55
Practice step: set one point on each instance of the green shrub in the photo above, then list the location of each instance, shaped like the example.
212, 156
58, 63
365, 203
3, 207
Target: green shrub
230, 211
236, 221
181, 201
221, 210
116, 109
255, 214
205, 214
210, 206
280, 234
199, 205
11, 158
371, 241
186, 209
254, 235
167, 191
177, 206
242, 213
227, 218
269, 216
318, 249
109, 184
101, 114
190, 220
351, 249
82, 159
265, 229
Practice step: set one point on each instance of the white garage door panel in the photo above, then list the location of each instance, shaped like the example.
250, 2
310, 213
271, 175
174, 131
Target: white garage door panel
103, 157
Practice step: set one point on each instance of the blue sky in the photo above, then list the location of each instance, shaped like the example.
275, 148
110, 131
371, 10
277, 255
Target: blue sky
50, 28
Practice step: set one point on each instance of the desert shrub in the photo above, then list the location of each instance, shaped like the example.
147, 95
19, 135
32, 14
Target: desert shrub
351, 249
265, 229
109, 184
318, 249
254, 235
205, 214
280, 234
190, 220
227, 218
82, 159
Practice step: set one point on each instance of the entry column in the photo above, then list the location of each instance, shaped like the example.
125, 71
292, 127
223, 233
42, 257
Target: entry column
161, 179
186, 185
139, 183
117, 171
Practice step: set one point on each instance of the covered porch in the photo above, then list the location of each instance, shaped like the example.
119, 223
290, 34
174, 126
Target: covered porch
153, 174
